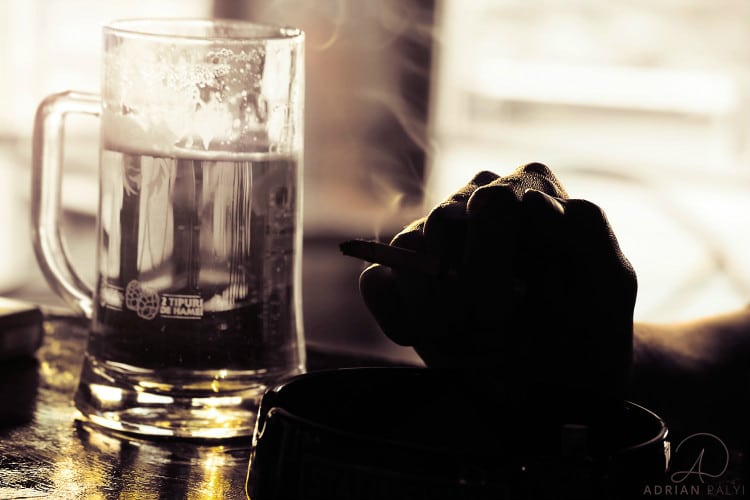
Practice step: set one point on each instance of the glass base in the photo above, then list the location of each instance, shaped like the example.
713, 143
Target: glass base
217, 404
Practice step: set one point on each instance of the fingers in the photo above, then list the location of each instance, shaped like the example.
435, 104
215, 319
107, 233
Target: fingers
542, 237
444, 229
597, 255
542, 216
569, 246
491, 224
535, 176
401, 302
412, 236
595, 252
382, 296
490, 246
475, 230
495, 215
542, 284
577, 227
591, 235
445, 226
386, 293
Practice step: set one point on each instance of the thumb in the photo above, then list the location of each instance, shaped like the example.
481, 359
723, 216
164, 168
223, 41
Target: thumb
381, 294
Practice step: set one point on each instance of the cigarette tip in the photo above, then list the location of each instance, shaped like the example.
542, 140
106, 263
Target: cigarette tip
350, 247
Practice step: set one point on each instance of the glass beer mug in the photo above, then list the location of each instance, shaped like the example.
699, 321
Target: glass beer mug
197, 302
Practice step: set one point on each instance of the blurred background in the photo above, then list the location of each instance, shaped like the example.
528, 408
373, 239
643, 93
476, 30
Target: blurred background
640, 106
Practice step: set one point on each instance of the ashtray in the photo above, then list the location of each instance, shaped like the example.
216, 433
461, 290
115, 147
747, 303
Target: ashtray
421, 433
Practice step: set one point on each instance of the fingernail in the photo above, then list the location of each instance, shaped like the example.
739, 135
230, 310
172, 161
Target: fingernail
542, 201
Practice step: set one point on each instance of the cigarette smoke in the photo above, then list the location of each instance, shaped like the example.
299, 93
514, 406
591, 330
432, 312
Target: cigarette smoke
368, 93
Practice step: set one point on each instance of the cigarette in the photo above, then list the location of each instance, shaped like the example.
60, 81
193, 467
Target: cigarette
397, 258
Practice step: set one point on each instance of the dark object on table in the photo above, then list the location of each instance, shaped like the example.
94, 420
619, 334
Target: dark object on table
383, 432
19, 383
21, 330
21, 335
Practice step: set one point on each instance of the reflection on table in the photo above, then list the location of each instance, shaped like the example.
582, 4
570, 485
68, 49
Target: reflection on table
45, 452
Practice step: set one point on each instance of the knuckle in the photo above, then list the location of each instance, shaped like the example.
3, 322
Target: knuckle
445, 213
484, 177
537, 168
586, 211
411, 237
494, 198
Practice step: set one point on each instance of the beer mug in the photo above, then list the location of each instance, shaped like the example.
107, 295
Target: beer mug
196, 307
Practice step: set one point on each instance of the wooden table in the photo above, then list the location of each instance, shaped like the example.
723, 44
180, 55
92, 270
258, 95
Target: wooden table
46, 453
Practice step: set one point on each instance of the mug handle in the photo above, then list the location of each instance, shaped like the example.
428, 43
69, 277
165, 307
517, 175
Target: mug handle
46, 177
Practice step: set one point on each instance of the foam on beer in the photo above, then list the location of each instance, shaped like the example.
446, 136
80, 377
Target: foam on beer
164, 137
177, 104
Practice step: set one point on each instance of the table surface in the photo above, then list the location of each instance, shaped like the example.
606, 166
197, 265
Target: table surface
45, 452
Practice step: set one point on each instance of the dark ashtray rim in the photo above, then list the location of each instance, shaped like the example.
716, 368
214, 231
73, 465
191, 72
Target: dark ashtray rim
430, 423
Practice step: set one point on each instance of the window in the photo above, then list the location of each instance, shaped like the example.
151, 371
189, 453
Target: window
50, 46
639, 106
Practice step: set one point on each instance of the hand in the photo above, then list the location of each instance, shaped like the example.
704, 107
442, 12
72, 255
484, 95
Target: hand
541, 299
